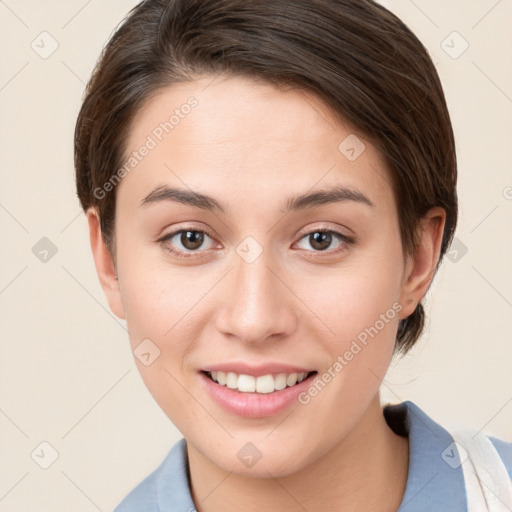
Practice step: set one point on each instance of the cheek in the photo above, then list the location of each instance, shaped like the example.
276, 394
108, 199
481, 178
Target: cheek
353, 299
161, 306
361, 307
160, 298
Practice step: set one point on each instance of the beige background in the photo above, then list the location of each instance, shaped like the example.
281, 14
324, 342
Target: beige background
67, 376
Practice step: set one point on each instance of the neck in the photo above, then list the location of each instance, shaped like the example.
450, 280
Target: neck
367, 471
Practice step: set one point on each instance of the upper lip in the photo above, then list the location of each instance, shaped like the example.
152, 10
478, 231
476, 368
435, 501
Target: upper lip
255, 370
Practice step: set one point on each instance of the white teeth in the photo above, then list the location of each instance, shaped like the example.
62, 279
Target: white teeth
280, 381
232, 380
221, 378
262, 384
291, 379
246, 383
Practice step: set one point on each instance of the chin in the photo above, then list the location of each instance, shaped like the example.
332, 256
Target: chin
258, 459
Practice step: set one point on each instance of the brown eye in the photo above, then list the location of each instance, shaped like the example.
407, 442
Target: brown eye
320, 240
186, 242
192, 240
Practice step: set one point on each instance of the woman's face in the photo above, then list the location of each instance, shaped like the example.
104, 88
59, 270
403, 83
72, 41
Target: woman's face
293, 264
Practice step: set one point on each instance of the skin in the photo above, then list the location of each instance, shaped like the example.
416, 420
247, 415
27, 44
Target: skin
337, 452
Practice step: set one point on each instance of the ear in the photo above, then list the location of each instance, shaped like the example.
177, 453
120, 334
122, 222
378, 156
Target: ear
420, 267
105, 266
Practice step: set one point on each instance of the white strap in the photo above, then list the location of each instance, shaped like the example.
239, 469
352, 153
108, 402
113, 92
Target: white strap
488, 486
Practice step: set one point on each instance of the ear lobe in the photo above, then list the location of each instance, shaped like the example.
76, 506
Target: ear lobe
420, 267
105, 266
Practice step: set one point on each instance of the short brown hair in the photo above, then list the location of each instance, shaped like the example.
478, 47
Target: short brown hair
355, 55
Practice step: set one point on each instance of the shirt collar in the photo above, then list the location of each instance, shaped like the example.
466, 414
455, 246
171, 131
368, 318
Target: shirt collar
435, 480
173, 484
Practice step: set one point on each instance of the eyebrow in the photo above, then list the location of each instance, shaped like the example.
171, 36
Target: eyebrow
338, 194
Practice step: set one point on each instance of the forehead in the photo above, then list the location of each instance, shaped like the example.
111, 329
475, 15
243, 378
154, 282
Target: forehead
225, 135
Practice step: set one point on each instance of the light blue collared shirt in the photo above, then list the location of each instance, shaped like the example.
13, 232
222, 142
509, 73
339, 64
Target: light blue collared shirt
435, 480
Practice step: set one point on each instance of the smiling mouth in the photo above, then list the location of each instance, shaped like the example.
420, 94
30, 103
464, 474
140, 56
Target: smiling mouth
262, 384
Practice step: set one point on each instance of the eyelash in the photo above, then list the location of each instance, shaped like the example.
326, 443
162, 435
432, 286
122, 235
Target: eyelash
348, 240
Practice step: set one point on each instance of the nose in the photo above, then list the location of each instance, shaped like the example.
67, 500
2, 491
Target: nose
257, 305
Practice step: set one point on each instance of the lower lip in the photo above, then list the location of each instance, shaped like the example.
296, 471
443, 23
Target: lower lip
255, 405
